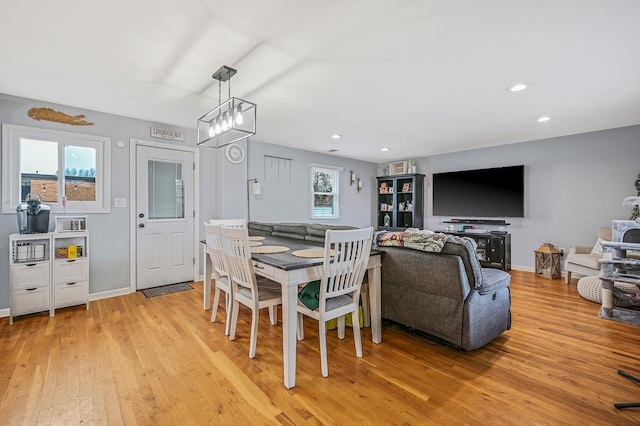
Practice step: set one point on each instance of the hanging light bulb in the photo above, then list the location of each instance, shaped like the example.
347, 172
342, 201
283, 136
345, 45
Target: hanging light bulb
239, 117
230, 119
212, 131
225, 122
218, 127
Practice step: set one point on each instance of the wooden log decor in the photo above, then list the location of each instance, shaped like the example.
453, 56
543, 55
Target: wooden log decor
49, 114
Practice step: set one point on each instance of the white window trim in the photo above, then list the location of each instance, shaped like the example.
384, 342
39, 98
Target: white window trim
11, 135
337, 192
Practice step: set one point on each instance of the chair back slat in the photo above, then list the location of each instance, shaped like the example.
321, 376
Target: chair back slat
237, 255
214, 241
343, 272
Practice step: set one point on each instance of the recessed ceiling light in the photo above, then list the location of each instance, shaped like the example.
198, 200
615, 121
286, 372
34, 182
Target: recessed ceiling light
336, 136
543, 119
519, 87
385, 149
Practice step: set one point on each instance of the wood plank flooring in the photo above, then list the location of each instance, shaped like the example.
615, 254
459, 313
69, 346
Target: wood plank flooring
136, 361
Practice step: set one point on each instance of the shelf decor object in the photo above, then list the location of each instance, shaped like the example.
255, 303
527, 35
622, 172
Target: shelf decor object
398, 168
229, 122
400, 202
71, 223
547, 261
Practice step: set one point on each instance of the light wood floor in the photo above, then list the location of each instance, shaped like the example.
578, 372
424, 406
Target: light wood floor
132, 360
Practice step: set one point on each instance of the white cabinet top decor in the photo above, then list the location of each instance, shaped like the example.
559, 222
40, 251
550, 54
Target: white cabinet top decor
71, 223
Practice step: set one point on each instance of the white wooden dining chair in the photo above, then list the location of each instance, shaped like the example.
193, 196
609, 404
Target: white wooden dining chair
340, 286
220, 275
245, 287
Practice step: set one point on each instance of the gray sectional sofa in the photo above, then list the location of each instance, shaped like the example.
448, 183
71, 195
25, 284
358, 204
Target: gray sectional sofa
313, 232
446, 294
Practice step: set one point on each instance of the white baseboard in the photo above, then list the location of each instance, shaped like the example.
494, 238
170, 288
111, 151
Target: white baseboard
95, 296
522, 268
111, 293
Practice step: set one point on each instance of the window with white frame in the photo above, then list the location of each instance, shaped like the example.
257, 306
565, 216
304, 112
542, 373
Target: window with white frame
69, 171
325, 192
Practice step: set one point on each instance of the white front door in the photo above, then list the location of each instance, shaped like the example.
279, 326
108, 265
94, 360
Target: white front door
165, 216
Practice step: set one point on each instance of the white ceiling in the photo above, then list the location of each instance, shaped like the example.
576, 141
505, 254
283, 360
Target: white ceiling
421, 77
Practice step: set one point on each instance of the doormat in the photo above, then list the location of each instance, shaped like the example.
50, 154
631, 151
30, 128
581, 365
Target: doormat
166, 289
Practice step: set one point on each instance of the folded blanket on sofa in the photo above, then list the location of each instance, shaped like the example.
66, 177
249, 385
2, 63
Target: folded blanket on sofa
412, 238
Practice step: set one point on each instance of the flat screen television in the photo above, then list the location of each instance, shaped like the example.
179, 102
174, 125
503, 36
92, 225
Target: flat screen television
495, 192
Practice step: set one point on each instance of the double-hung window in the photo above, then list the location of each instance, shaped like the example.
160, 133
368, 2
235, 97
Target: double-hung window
325, 192
69, 171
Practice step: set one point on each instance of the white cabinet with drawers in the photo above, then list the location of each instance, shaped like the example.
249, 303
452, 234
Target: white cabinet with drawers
29, 274
48, 271
70, 269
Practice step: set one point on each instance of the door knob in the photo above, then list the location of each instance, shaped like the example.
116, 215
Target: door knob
141, 225
141, 215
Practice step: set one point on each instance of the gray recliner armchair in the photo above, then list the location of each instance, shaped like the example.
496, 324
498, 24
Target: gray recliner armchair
446, 294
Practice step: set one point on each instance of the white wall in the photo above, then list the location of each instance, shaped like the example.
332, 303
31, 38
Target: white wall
573, 185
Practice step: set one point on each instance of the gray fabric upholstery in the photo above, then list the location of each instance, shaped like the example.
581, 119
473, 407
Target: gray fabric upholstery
291, 228
313, 232
446, 294
314, 238
259, 226
288, 235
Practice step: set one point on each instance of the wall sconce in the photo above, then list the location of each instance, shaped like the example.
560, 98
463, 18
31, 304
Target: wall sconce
256, 187
359, 184
352, 177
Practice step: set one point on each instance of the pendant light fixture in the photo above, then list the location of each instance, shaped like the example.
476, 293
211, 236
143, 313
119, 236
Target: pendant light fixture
231, 121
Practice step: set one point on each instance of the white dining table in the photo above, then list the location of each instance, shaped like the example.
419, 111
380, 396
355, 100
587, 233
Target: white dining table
291, 271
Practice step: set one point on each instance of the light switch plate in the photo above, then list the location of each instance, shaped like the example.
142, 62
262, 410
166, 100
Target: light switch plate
119, 202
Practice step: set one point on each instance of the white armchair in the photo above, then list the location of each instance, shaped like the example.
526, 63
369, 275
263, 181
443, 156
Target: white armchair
580, 259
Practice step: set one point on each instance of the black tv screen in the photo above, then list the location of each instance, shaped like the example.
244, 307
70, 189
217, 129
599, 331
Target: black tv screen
495, 192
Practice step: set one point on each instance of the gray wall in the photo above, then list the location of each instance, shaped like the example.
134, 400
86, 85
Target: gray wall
573, 185
285, 186
222, 191
109, 240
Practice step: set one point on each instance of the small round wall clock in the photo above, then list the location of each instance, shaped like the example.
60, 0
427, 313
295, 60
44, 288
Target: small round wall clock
235, 153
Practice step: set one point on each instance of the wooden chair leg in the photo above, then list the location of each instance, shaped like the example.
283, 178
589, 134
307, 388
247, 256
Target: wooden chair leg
356, 334
234, 320
255, 315
216, 300
228, 307
341, 326
273, 315
568, 275
322, 334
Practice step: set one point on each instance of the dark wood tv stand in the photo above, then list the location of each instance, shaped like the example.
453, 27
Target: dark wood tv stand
494, 247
